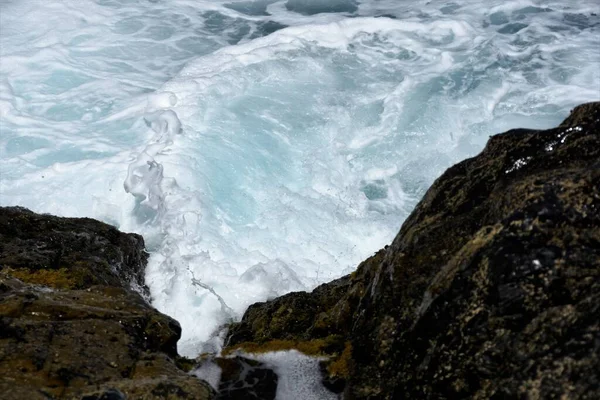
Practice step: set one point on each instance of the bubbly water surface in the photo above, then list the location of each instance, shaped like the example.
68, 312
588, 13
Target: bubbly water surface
268, 146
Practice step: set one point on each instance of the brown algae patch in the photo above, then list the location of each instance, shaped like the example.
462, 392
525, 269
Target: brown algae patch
55, 278
315, 347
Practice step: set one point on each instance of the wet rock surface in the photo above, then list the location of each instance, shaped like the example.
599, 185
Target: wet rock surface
491, 289
237, 378
71, 326
244, 379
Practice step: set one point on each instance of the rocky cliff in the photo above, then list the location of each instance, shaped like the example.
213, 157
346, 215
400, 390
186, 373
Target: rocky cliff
491, 289
71, 324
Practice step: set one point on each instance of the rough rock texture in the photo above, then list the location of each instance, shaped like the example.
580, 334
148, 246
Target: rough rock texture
71, 327
491, 289
40, 247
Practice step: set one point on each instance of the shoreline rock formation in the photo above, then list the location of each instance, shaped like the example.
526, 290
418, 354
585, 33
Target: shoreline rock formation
71, 326
491, 289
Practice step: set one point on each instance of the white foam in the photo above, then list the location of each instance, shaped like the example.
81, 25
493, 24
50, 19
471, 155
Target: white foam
210, 372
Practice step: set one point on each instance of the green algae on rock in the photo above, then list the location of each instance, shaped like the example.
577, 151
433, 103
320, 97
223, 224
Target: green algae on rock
491, 289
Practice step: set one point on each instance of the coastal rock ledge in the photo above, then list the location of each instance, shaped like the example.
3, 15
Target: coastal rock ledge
74, 322
489, 291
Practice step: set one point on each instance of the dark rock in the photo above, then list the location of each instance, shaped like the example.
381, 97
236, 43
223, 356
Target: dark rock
110, 394
71, 326
44, 249
297, 316
335, 384
244, 379
238, 378
491, 289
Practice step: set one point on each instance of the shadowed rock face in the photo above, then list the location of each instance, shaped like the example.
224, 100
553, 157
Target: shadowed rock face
491, 289
70, 324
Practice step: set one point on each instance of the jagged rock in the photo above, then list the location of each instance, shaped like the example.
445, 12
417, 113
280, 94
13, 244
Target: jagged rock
71, 326
491, 289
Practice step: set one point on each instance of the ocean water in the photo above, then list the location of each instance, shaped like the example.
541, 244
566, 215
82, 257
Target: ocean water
262, 147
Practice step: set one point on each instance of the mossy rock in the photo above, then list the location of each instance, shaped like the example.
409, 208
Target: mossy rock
60, 278
74, 322
491, 289
326, 346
